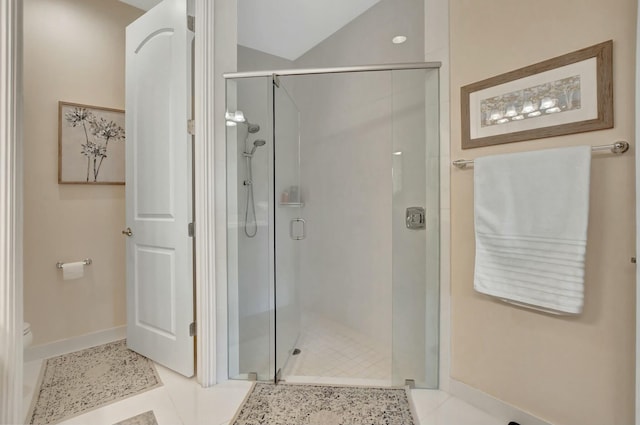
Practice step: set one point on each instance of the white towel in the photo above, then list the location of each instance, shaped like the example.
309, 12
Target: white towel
531, 216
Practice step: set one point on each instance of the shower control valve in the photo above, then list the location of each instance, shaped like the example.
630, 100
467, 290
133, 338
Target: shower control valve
415, 218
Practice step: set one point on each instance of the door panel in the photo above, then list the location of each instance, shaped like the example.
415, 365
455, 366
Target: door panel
250, 259
152, 86
157, 283
159, 187
289, 224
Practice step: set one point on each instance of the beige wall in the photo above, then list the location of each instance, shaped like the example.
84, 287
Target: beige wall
73, 51
565, 370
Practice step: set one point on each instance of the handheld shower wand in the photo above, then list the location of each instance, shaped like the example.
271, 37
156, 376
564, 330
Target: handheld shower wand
232, 120
256, 145
249, 184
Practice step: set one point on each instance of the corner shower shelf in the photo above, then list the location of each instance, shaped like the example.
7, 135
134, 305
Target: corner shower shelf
292, 204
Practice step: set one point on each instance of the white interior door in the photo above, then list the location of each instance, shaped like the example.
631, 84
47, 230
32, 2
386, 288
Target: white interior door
159, 187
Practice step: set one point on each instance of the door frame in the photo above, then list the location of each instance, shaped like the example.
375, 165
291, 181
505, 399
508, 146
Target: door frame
11, 212
215, 53
204, 178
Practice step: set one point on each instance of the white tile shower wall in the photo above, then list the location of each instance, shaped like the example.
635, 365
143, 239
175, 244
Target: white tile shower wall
346, 147
347, 135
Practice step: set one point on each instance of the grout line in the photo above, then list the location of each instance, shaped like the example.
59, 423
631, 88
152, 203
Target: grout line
175, 409
436, 408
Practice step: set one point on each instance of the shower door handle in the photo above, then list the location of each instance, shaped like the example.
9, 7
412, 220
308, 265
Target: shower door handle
302, 227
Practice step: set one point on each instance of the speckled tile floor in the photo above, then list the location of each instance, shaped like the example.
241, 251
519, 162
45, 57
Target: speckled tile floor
182, 401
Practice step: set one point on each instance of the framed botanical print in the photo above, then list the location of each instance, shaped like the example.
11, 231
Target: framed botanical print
90, 144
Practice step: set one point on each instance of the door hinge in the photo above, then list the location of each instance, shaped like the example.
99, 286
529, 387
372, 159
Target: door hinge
191, 127
276, 80
191, 23
191, 229
192, 329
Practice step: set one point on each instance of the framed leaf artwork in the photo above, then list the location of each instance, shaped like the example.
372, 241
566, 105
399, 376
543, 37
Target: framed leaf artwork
90, 144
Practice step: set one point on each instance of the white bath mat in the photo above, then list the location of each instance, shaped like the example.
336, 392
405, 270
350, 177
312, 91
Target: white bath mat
287, 404
78, 382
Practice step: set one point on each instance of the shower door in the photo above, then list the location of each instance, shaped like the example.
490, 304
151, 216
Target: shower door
333, 227
289, 228
264, 226
250, 218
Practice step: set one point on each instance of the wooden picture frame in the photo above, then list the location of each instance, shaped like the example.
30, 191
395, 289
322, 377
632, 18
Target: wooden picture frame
91, 146
568, 94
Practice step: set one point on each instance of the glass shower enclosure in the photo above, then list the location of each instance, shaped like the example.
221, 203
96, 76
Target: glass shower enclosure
333, 225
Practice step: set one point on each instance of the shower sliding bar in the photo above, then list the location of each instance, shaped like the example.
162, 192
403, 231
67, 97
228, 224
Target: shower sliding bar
618, 147
337, 70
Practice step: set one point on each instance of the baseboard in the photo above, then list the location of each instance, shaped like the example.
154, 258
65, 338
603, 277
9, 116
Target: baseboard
64, 346
492, 405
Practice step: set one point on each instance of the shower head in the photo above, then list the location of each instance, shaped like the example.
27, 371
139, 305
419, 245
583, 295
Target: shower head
256, 145
237, 117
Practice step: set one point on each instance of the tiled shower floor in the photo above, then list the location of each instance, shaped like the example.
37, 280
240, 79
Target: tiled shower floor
331, 350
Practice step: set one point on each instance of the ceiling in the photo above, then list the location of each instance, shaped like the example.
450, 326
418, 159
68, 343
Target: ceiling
287, 28
142, 4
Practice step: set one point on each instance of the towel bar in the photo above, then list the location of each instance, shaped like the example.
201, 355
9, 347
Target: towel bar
86, 262
618, 147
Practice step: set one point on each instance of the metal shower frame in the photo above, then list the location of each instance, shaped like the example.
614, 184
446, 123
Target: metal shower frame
335, 70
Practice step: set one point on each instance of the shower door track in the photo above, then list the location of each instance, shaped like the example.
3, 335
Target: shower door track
337, 70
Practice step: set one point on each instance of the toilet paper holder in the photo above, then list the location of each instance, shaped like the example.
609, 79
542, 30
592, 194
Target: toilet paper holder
86, 262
